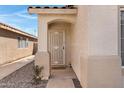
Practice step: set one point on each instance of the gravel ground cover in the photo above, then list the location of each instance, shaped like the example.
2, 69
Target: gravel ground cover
76, 83
22, 78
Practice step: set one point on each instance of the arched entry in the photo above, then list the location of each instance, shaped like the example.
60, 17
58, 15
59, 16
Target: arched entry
59, 43
47, 16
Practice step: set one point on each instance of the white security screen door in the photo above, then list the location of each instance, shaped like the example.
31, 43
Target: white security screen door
56, 40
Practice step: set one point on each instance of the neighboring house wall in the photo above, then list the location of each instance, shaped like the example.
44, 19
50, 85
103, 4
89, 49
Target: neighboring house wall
9, 50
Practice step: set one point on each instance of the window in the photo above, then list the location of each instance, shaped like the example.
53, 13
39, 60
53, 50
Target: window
22, 42
27, 42
122, 37
19, 42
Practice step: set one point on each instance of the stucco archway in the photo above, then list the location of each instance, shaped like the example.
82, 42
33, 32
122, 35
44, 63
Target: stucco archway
45, 18
60, 25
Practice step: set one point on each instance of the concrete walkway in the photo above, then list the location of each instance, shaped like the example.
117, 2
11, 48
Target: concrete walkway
61, 78
9, 68
123, 77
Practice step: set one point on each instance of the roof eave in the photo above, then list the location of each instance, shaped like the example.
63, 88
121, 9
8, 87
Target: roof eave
7, 27
51, 11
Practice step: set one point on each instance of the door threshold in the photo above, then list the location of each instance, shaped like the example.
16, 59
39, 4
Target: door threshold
122, 67
59, 67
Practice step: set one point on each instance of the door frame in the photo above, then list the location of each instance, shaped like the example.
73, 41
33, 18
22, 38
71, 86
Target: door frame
119, 32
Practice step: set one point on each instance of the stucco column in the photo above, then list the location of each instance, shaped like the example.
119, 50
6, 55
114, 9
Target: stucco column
42, 56
42, 34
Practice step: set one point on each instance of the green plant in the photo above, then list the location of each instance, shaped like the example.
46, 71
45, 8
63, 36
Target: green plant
37, 74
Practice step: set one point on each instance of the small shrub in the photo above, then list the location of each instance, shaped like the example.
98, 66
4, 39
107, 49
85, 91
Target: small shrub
37, 74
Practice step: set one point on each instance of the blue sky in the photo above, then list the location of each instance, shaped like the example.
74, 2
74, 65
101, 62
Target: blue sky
18, 17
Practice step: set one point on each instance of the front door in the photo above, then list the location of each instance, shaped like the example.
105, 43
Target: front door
56, 47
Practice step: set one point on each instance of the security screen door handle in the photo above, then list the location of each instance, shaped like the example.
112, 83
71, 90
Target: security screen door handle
63, 47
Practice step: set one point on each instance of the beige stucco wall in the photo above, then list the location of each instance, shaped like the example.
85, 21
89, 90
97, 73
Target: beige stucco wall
79, 40
95, 46
103, 27
103, 47
43, 21
9, 50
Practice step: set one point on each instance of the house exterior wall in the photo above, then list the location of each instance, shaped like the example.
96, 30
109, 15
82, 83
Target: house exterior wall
94, 52
103, 47
79, 41
103, 26
9, 50
94, 44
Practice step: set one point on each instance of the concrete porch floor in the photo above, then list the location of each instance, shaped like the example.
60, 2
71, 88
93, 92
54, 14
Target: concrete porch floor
123, 77
61, 78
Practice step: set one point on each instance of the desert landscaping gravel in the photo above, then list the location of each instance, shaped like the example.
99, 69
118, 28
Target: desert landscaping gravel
22, 78
76, 83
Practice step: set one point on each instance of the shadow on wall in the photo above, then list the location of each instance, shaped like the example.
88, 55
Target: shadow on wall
35, 47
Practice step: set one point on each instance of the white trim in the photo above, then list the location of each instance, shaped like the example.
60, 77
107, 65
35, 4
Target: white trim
119, 33
52, 11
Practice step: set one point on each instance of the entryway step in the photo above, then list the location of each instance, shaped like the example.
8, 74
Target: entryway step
60, 83
58, 67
